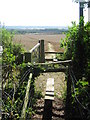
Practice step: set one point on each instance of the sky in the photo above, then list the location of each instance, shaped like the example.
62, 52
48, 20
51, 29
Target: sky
38, 12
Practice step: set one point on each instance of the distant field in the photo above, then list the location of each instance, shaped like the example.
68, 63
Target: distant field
29, 40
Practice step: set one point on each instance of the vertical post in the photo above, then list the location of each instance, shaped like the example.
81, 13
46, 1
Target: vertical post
47, 115
42, 54
68, 97
39, 52
27, 57
89, 11
20, 59
1, 82
80, 10
1, 87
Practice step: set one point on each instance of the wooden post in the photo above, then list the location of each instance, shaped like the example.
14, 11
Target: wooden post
42, 54
88, 11
47, 115
49, 98
80, 10
68, 97
20, 58
39, 52
49, 89
27, 57
1, 88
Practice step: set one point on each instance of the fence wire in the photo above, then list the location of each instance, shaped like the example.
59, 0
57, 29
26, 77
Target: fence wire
73, 79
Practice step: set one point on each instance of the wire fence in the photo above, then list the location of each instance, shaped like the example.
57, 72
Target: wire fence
80, 105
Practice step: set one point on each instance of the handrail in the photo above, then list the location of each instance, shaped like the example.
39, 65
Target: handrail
36, 46
37, 50
59, 62
26, 99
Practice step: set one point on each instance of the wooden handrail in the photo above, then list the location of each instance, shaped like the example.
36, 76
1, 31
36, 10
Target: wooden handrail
59, 62
23, 113
36, 46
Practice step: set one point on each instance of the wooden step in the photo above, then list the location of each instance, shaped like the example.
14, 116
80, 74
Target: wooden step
50, 89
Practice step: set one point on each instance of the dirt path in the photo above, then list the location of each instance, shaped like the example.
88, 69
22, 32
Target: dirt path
59, 88
50, 49
57, 110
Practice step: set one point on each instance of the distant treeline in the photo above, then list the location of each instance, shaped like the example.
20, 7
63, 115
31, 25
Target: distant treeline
36, 31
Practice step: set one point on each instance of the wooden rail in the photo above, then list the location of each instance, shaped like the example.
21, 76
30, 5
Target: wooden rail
46, 52
23, 114
36, 46
55, 70
53, 63
36, 54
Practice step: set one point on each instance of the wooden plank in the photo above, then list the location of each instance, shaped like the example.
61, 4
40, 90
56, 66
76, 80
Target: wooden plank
55, 70
49, 89
51, 93
53, 52
50, 84
48, 59
23, 113
49, 97
51, 59
50, 63
36, 46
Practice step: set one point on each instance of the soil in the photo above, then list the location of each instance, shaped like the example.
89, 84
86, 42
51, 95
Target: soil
30, 40
57, 109
51, 48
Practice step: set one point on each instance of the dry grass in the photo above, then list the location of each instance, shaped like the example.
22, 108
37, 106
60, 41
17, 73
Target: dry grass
29, 40
59, 82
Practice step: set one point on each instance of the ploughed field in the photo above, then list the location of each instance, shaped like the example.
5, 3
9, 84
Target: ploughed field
29, 40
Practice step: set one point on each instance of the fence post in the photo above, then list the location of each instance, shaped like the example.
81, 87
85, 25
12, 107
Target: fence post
68, 97
20, 60
39, 52
27, 57
42, 53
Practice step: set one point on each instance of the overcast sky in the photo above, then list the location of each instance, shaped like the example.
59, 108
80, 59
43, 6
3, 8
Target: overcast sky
38, 12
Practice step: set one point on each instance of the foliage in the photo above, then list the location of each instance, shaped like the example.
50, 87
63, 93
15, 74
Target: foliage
77, 47
11, 74
15, 77
81, 91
